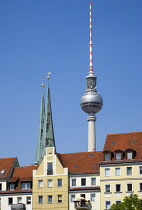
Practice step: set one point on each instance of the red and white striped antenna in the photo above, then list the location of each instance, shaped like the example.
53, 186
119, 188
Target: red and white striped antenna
90, 44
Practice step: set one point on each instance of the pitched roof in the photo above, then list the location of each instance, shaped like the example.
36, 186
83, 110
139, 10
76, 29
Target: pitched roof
76, 162
6, 165
22, 174
124, 141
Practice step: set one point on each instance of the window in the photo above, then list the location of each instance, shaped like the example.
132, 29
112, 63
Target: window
72, 198
118, 188
19, 200
117, 171
107, 171
49, 168
92, 197
12, 186
59, 198
73, 182
129, 155
25, 185
0, 186
140, 186
118, 156
129, 170
118, 202
140, 169
107, 204
83, 182
2, 172
93, 181
40, 183
49, 198
59, 181
40, 199
129, 187
49, 183
10, 201
82, 195
107, 156
107, 188
28, 199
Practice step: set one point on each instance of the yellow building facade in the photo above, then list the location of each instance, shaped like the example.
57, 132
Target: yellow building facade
50, 183
121, 168
118, 181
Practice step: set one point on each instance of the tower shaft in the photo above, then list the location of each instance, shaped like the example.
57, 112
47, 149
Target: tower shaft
91, 132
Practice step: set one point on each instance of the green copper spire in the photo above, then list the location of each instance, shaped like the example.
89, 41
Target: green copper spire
40, 130
48, 123
46, 131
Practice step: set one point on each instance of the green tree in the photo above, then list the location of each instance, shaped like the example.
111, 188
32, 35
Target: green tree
131, 202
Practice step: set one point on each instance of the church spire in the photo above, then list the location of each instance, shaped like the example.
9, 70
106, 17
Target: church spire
38, 155
46, 131
48, 124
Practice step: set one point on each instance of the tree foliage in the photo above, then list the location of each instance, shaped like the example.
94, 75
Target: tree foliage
131, 202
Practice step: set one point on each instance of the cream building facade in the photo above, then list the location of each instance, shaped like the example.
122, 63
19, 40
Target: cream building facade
121, 169
50, 183
87, 186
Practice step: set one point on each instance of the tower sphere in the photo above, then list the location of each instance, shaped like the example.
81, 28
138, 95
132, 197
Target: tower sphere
91, 102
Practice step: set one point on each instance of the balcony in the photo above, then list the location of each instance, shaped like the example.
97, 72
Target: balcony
82, 204
19, 206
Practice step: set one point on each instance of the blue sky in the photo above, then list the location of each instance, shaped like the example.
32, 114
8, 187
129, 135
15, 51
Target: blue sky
40, 36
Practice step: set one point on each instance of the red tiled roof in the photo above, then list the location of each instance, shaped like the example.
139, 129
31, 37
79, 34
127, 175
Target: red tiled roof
82, 162
13, 179
124, 141
6, 164
22, 174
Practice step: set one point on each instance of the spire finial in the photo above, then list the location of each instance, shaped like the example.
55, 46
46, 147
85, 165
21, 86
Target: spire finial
42, 83
90, 44
48, 77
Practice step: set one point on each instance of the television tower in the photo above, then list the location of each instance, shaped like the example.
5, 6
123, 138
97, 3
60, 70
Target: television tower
91, 101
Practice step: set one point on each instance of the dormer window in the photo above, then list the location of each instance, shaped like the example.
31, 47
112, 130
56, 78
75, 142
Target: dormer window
118, 156
26, 185
107, 155
130, 154
12, 186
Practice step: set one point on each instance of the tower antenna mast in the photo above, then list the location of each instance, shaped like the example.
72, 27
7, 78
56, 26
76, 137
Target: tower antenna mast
90, 44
